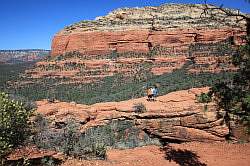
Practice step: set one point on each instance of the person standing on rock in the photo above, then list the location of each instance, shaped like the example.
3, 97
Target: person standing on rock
150, 94
155, 92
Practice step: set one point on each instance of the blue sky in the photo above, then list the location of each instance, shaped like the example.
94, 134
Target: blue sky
32, 23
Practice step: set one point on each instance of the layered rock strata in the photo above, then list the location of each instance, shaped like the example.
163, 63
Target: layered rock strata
173, 26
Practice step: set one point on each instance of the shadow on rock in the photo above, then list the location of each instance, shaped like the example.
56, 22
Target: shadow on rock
182, 157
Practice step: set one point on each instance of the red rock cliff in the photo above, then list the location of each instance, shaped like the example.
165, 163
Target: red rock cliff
140, 29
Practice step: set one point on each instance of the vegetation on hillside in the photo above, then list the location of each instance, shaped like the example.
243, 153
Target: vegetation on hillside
117, 87
9, 72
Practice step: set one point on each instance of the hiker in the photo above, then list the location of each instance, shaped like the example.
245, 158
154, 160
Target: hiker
150, 94
155, 92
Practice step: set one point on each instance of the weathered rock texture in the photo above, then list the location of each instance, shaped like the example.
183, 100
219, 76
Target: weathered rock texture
174, 26
176, 116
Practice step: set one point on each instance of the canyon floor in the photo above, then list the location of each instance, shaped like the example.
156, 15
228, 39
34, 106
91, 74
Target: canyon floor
187, 154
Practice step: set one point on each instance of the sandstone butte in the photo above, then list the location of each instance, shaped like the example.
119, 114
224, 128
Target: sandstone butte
172, 26
173, 33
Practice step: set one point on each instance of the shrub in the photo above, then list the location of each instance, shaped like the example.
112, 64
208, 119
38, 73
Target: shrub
204, 98
71, 136
100, 151
13, 123
139, 108
50, 161
39, 126
67, 139
72, 141
27, 104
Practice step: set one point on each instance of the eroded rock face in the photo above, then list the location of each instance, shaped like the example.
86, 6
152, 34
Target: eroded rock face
175, 117
139, 29
95, 43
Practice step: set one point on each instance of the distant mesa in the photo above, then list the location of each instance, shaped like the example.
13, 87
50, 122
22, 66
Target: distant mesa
23, 55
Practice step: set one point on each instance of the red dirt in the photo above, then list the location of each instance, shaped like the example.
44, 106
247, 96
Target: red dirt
196, 154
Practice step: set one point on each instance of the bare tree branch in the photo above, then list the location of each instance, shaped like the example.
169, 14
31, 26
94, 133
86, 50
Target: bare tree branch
208, 10
226, 11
